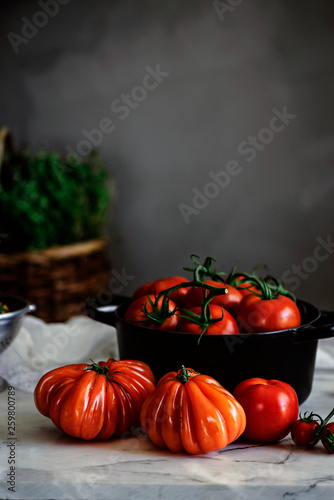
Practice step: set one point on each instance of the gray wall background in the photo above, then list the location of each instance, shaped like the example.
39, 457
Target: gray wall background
227, 66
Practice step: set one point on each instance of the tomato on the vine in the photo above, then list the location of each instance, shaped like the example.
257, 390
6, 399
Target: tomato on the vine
243, 286
162, 284
243, 282
265, 315
151, 312
192, 412
229, 300
224, 323
256, 314
303, 431
327, 437
271, 407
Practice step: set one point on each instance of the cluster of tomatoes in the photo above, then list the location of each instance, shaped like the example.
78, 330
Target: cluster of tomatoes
184, 411
308, 430
211, 304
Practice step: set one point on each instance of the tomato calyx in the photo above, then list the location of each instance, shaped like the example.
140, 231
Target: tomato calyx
184, 374
308, 417
205, 270
159, 315
104, 370
99, 369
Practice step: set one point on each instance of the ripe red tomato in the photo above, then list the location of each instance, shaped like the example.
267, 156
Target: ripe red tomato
162, 284
229, 300
303, 432
135, 313
143, 290
267, 315
191, 412
271, 407
227, 325
327, 437
244, 287
95, 401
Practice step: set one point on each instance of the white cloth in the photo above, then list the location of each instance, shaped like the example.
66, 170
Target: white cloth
40, 347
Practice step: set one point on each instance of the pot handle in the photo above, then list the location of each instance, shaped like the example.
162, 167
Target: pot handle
105, 312
322, 328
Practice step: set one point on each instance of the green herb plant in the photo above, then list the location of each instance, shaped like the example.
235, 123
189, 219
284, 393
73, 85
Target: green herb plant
47, 200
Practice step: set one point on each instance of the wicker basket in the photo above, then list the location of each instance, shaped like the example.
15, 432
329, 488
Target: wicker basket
57, 280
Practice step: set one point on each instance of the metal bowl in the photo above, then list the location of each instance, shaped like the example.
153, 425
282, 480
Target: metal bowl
10, 322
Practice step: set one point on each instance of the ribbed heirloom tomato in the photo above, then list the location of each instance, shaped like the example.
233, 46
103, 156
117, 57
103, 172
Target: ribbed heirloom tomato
192, 412
271, 407
95, 401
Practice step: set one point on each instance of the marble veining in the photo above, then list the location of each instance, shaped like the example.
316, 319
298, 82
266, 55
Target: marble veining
51, 465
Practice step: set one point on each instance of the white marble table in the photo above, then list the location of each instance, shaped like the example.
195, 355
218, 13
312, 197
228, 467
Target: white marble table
50, 465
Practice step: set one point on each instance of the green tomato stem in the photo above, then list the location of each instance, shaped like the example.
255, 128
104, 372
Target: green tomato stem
184, 375
321, 426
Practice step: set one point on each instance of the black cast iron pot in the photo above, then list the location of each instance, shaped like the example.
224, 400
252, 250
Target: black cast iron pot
286, 355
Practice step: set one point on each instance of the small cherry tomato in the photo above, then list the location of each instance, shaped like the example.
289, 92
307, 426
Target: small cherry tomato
327, 437
303, 432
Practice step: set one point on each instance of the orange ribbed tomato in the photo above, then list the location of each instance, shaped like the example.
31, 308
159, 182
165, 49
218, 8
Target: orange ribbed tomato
95, 401
192, 412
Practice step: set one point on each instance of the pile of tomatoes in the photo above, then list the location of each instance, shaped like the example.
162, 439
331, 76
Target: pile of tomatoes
311, 428
186, 411
211, 304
